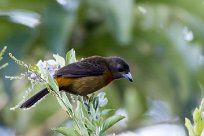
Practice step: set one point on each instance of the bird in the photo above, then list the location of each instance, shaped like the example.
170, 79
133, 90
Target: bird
86, 76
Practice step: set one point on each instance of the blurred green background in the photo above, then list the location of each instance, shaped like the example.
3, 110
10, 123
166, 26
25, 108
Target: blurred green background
162, 40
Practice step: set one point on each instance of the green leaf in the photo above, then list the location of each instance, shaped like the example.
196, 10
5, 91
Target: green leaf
198, 128
189, 127
110, 122
84, 108
51, 81
89, 124
66, 100
78, 112
55, 88
61, 104
66, 131
197, 115
70, 57
60, 60
106, 112
79, 116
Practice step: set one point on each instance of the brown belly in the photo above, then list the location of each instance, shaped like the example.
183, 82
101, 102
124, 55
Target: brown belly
83, 85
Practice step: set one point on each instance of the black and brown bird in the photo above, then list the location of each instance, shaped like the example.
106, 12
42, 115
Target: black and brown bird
86, 76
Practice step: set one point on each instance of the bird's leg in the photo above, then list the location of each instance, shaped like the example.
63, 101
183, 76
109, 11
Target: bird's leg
85, 98
96, 103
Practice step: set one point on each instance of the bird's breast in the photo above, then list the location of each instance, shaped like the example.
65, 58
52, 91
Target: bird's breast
84, 85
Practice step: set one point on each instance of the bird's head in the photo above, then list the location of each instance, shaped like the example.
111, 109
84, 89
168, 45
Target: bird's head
119, 68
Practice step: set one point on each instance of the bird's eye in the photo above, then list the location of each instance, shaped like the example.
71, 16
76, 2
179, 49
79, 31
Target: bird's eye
120, 70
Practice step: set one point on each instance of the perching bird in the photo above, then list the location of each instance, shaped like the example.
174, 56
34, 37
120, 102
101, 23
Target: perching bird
86, 76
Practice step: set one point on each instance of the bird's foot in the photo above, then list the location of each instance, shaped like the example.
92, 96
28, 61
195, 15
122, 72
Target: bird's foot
86, 103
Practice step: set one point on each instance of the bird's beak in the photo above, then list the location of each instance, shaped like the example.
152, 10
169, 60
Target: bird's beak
128, 76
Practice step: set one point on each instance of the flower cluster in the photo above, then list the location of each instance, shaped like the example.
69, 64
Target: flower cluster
49, 66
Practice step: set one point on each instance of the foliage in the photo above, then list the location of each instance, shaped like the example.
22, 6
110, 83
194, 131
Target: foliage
88, 116
198, 121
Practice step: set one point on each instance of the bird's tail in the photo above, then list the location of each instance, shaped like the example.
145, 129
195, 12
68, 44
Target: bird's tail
31, 101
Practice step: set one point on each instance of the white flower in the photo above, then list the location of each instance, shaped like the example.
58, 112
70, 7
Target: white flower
49, 66
102, 100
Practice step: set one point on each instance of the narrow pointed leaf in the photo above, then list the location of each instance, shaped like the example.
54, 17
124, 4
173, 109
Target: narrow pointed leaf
61, 104
60, 60
66, 100
53, 84
189, 127
110, 122
106, 112
66, 131
70, 57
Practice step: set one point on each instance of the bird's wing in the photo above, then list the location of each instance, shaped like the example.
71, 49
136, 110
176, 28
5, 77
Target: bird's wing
81, 69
